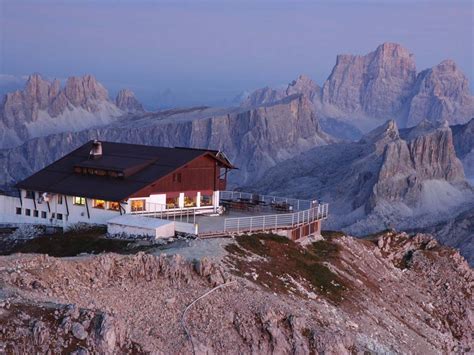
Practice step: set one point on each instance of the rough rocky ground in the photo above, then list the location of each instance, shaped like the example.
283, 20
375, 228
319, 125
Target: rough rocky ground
389, 293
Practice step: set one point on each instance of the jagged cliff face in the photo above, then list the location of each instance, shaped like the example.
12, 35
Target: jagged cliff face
43, 107
126, 101
364, 91
255, 139
441, 93
376, 84
463, 136
386, 179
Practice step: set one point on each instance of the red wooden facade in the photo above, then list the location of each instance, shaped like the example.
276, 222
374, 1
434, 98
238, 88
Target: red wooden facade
201, 174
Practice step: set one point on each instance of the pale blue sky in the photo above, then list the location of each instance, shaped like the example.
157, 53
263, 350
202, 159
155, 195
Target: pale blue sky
209, 51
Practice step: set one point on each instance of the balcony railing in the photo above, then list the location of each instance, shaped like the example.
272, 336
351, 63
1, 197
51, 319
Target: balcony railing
277, 221
292, 203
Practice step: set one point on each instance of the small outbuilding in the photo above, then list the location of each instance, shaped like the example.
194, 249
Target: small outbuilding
138, 226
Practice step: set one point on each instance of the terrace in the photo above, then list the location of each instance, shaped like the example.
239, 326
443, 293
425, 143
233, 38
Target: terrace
245, 213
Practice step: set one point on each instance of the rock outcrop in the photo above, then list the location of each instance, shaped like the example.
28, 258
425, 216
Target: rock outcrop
463, 136
263, 96
126, 101
397, 294
441, 93
388, 178
375, 85
43, 107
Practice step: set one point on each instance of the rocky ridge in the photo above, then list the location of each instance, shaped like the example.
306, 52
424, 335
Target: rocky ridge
255, 139
43, 107
463, 136
389, 178
126, 101
402, 294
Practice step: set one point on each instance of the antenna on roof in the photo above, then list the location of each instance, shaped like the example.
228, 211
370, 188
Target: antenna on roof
96, 151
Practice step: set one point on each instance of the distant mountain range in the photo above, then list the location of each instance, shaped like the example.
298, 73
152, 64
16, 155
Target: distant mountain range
365, 91
43, 107
291, 141
390, 178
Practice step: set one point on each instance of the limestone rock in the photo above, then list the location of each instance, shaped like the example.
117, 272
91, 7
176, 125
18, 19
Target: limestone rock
441, 93
127, 101
375, 84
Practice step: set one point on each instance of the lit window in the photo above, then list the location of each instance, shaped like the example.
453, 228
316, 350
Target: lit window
189, 201
81, 201
138, 205
206, 200
29, 194
60, 199
172, 202
98, 204
114, 206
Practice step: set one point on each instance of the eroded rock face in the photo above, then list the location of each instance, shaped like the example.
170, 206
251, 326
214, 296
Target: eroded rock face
441, 93
375, 84
463, 137
127, 101
394, 176
262, 96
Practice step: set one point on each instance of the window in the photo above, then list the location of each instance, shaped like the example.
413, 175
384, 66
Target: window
60, 199
18, 210
138, 205
81, 201
43, 214
98, 204
114, 206
53, 215
177, 177
189, 201
28, 212
172, 202
35, 213
206, 200
59, 216
29, 194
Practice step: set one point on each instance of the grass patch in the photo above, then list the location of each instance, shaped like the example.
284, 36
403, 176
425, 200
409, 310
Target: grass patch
73, 243
332, 234
285, 259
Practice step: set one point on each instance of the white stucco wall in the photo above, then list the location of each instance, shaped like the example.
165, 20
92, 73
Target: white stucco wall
131, 225
70, 213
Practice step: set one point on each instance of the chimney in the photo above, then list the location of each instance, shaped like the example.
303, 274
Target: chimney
96, 151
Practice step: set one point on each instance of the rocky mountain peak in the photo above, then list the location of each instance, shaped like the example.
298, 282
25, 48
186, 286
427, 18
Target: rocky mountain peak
127, 101
390, 50
375, 84
304, 85
80, 90
382, 134
441, 93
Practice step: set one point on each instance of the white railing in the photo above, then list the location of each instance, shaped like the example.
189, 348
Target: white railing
277, 221
159, 210
296, 204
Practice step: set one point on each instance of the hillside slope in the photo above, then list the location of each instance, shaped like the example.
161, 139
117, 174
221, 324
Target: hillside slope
389, 294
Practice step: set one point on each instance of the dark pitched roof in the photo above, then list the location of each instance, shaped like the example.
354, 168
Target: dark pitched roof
141, 165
